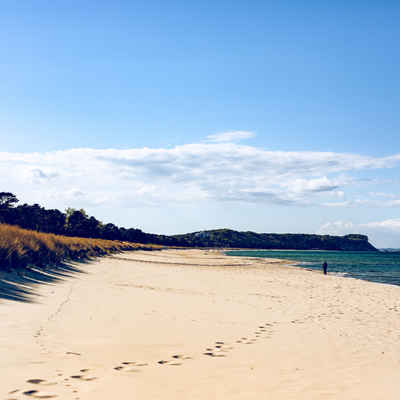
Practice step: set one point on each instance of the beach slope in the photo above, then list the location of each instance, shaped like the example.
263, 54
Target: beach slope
193, 324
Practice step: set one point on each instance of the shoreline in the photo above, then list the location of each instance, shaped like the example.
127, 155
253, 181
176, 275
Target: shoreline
178, 324
342, 274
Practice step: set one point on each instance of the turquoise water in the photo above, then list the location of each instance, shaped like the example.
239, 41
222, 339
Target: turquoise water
381, 267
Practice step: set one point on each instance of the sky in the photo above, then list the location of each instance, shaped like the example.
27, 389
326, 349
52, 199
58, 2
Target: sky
176, 116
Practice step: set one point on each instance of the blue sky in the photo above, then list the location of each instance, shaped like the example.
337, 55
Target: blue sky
252, 115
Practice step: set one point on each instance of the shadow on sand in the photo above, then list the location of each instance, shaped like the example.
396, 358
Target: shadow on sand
22, 285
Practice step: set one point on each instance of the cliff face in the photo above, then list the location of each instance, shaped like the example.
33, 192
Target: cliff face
230, 238
356, 243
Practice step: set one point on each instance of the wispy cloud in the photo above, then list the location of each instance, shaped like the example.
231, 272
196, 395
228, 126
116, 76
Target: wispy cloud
231, 136
65, 194
385, 195
366, 203
197, 172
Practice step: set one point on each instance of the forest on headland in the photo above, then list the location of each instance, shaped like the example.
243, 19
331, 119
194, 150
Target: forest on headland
76, 223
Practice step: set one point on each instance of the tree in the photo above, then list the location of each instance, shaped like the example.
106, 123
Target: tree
111, 232
133, 235
54, 222
29, 216
76, 224
7, 201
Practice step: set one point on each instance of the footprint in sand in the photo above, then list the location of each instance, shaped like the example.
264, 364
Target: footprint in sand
172, 362
169, 363
41, 382
212, 354
129, 366
126, 369
220, 347
246, 341
182, 357
38, 395
264, 333
83, 377
223, 345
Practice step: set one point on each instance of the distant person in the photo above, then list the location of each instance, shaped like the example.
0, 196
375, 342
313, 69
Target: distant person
325, 267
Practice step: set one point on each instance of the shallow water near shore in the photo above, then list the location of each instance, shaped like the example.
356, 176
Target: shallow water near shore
379, 267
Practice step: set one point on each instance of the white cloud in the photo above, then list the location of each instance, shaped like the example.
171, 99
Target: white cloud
389, 224
231, 136
365, 203
66, 194
382, 233
338, 227
37, 175
198, 172
385, 195
318, 186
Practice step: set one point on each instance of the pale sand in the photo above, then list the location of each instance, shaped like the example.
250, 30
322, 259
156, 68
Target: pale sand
224, 328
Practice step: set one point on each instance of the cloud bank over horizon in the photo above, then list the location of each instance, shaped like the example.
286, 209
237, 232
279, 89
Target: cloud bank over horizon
214, 183
200, 172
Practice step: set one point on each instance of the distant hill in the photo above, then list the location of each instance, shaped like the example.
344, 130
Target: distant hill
231, 238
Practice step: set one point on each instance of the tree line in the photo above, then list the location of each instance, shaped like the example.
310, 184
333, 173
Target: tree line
72, 222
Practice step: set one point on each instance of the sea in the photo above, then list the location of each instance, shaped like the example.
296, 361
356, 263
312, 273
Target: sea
380, 266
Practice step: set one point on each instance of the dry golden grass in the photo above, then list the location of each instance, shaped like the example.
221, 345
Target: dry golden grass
20, 247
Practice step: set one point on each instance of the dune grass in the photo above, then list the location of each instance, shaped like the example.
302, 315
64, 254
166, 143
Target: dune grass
20, 248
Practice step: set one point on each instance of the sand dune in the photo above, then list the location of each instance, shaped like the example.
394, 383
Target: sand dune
190, 324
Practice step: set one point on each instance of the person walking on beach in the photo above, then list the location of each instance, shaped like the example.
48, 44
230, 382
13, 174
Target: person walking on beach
325, 267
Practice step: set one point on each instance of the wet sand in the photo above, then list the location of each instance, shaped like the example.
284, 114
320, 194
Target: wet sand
199, 325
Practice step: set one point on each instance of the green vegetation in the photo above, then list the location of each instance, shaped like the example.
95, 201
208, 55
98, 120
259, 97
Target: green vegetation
230, 238
76, 223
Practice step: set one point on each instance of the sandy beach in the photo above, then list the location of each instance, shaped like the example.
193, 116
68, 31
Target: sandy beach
190, 324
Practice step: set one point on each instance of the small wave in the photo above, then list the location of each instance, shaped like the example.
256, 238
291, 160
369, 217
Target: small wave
340, 274
386, 284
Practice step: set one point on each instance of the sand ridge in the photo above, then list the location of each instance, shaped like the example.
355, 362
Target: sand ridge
195, 324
